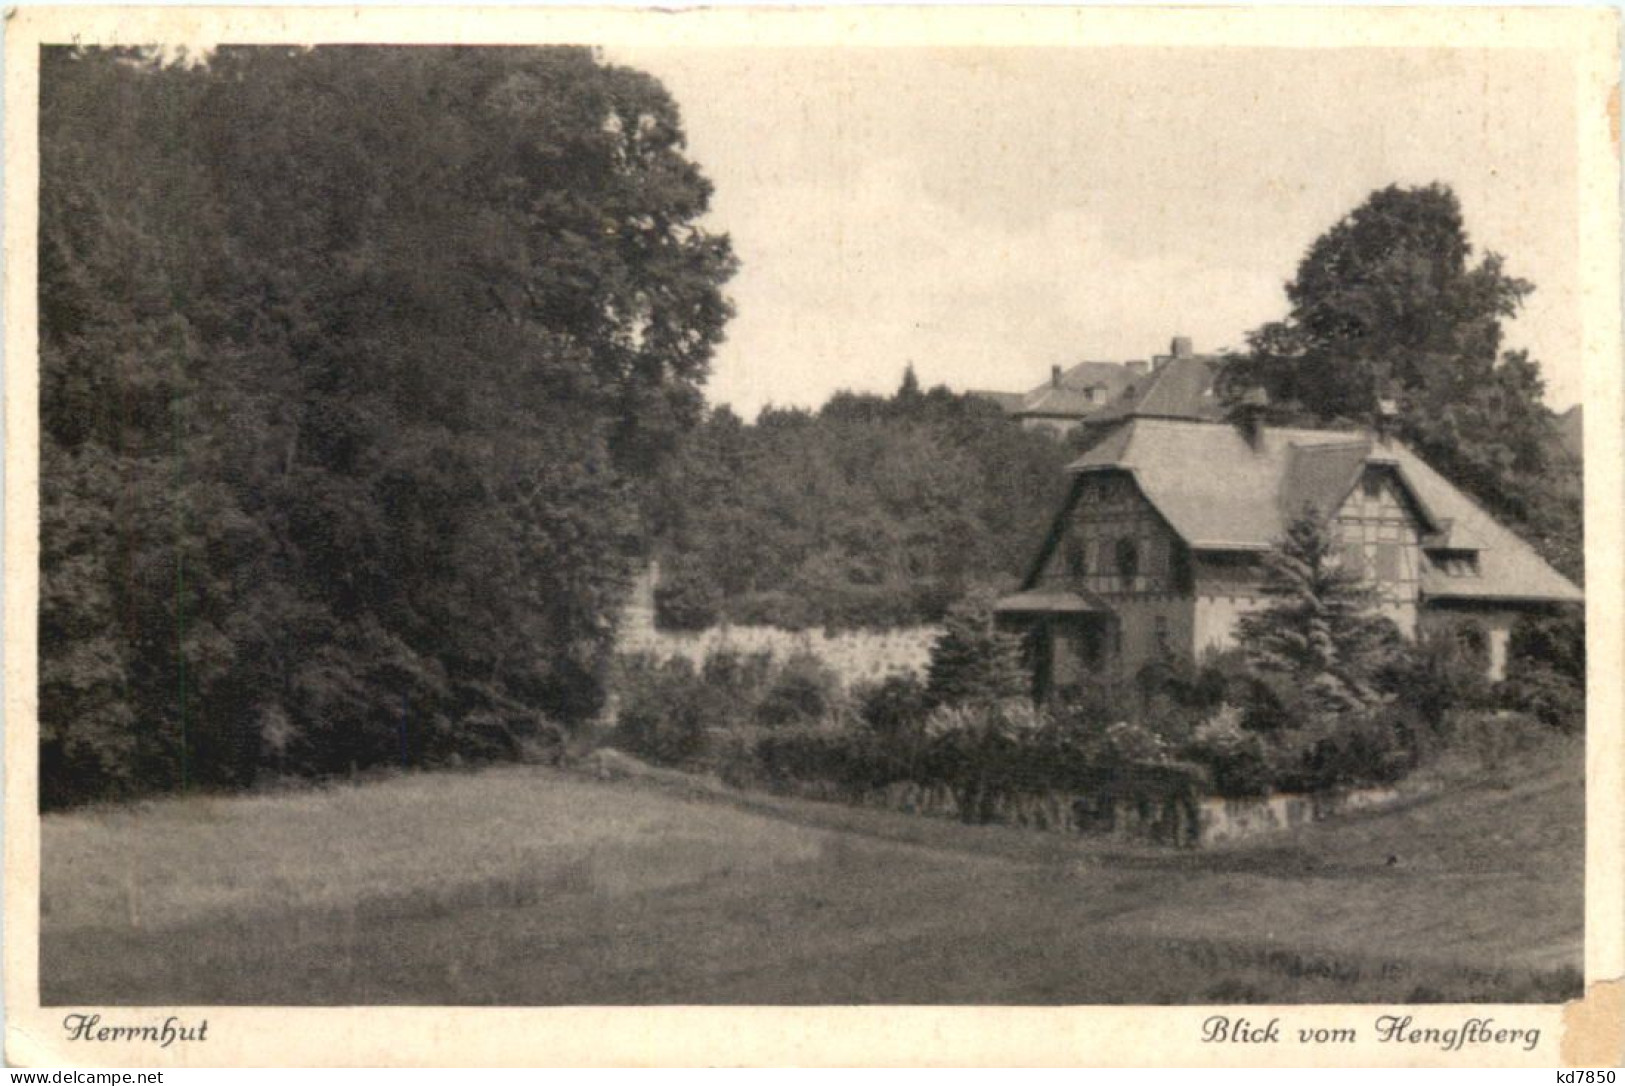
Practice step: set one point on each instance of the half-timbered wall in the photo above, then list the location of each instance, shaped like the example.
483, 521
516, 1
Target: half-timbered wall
1116, 544
1380, 536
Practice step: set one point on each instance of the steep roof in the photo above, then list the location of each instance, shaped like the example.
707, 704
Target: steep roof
1220, 492
1181, 388
1063, 401
1321, 475
1509, 568
1067, 394
1111, 374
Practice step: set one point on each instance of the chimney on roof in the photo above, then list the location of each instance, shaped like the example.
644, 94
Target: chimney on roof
1249, 417
1055, 377
1387, 415
1138, 368
1181, 347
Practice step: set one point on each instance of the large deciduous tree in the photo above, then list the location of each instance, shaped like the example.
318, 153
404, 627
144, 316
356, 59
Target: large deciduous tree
351, 362
1390, 305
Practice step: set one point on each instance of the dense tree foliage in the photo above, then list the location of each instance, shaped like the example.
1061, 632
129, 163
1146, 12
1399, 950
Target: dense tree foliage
1388, 305
352, 360
870, 512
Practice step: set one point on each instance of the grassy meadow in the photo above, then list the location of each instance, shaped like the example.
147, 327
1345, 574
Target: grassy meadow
525, 885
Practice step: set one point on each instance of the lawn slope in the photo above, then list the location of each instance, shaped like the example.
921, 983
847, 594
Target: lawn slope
532, 886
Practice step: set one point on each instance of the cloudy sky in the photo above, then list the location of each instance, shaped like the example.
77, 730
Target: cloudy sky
986, 213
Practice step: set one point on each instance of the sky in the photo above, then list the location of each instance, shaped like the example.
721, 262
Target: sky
984, 214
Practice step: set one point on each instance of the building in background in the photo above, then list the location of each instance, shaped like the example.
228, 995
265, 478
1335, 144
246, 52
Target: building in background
1076, 397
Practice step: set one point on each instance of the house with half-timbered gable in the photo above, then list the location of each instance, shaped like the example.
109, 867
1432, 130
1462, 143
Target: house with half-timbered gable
1157, 549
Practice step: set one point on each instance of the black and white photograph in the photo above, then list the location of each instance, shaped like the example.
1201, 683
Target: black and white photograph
639, 523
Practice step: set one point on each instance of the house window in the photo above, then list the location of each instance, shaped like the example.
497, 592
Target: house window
1354, 558
1128, 558
1457, 563
1371, 483
1387, 561
1160, 634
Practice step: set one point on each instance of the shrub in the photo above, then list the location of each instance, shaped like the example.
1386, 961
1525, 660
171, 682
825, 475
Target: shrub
1269, 702
859, 606
1129, 742
780, 609
1436, 676
893, 706
1168, 676
664, 713
1339, 750
487, 735
740, 679
988, 750
805, 690
1556, 642
1494, 737
686, 598
834, 752
1546, 693
1091, 705
732, 755
1236, 757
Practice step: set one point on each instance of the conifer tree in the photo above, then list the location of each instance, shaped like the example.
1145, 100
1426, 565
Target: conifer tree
1319, 631
973, 660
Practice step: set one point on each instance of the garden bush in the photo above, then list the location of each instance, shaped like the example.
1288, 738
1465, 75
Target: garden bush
1237, 758
1547, 693
1339, 750
741, 680
665, 710
1556, 641
782, 609
894, 706
804, 691
843, 753
1437, 675
1493, 737
686, 598
988, 750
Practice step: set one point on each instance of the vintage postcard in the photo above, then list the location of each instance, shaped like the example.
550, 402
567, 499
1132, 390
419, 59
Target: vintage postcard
827, 536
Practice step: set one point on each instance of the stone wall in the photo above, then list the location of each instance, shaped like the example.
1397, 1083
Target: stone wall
1150, 819
1221, 819
854, 655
